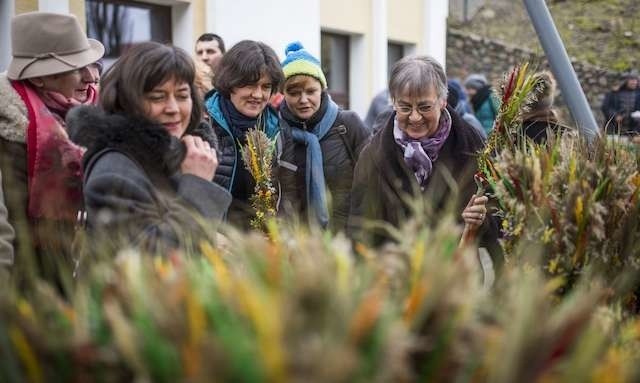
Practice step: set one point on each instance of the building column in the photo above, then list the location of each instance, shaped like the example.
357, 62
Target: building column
7, 9
55, 6
359, 91
435, 29
182, 20
211, 13
379, 41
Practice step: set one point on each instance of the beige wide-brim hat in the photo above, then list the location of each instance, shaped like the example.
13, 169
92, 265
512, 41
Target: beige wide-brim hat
45, 44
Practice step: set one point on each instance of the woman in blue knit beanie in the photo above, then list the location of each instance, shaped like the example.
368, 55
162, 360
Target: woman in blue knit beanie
321, 144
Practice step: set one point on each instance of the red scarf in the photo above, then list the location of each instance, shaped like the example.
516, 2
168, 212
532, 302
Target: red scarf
54, 162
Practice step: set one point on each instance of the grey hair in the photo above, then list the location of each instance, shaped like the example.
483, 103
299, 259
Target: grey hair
413, 75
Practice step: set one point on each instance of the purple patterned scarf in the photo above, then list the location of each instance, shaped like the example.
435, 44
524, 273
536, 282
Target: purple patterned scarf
420, 154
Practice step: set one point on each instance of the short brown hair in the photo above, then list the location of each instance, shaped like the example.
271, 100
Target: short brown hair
142, 68
212, 37
415, 74
243, 65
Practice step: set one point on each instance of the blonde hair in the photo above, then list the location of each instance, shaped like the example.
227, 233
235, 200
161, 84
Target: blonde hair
299, 80
204, 78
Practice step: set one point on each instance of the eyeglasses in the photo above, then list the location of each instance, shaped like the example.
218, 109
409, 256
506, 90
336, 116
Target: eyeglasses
405, 110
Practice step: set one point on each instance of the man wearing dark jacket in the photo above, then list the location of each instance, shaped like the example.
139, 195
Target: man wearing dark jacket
619, 106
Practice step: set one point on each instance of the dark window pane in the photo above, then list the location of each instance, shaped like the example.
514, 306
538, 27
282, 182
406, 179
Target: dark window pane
394, 53
119, 24
335, 65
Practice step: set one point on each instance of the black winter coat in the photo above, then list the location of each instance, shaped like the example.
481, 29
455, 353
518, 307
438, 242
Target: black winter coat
231, 173
382, 182
341, 147
537, 125
132, 187
612, 107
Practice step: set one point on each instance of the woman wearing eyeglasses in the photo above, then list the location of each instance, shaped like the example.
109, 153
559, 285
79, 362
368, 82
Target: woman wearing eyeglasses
424, 152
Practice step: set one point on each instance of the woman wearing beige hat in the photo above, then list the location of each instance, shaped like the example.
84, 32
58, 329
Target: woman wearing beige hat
41, 168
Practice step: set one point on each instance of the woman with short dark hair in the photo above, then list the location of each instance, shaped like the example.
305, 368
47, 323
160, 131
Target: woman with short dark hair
247, 76
125, 88
424, 152
150, 162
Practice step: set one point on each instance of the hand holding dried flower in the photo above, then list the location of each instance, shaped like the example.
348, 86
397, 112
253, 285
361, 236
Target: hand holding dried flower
257, 155
475, 212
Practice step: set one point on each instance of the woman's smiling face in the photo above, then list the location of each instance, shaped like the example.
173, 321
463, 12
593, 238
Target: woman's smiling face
170, 104
250, 100
419, 116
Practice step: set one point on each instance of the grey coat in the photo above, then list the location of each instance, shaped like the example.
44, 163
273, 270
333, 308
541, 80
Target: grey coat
380, 103
14, 120
6, 233
132, 186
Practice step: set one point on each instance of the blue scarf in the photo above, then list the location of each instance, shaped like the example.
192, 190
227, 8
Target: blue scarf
314, 173
238, 122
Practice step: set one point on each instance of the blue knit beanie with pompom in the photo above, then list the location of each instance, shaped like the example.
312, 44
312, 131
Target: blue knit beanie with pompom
300, 62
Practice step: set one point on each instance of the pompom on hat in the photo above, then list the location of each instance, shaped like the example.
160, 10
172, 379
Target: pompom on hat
45, 44
300, 62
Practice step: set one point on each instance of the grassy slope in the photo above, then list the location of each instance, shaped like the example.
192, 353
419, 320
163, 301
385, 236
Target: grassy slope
602, 32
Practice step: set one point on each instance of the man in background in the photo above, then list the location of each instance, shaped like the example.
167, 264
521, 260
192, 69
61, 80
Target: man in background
210, 49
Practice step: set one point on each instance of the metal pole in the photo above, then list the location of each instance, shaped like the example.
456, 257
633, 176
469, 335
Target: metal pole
465, 11
561, 67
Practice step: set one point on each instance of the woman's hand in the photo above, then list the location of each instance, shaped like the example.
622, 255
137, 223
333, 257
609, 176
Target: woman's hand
473, 216
475, 212
201, 160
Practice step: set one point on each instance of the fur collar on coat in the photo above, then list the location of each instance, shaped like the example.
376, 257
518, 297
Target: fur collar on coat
146, 142
14, 117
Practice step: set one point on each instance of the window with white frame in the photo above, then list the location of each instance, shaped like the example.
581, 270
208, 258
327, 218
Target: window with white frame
118, 24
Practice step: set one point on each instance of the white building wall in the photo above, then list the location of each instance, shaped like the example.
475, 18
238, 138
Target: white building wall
7, 8
359, 96
182, 20
379, 41
275, 23
435, 29
55, 6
